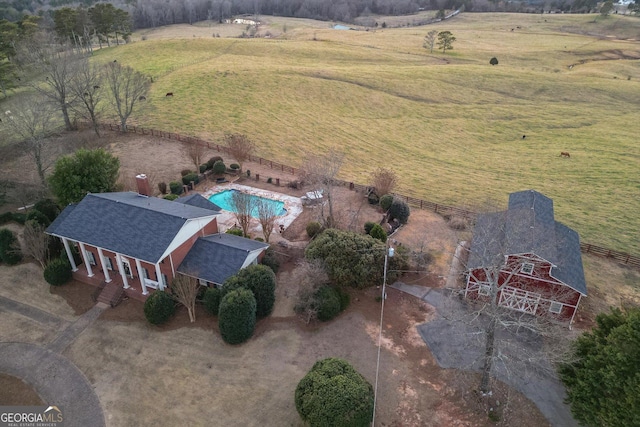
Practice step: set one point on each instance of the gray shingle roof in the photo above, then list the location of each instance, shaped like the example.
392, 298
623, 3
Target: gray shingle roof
127, 223
528, 226
197, 200
217, 257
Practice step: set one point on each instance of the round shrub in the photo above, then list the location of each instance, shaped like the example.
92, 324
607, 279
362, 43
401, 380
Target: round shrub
237, 316
186, 180
368, 226
248, 173
48, 207
399, 210
219, 168
234, 166
328, 303
313, 229
57, 272
373, 198
162, 186
345, 298
212, 161
159, 307
270, 260
212, 297
175, 187
269, 180
38, 217
261, 281
203, 168
9, 250
377, 232
185, 172
333, 393
493, 61
171, 197
386, 201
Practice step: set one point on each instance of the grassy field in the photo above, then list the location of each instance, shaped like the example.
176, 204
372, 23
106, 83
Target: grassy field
451, 125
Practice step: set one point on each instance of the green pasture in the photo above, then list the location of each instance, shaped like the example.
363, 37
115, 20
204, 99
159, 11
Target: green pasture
450, 125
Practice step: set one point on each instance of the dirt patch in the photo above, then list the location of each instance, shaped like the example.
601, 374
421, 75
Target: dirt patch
79, 296
16, 392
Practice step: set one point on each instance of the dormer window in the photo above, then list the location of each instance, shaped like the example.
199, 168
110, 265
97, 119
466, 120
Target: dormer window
527, 268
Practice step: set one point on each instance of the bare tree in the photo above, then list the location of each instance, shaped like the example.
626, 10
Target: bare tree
185, 291
240, 147
86, 86
36, 242
384, 181
430, 40
57, 64
195, 153
509, 313
308, 276
31, 118
267, 217
126, 87
243, 206
321, 171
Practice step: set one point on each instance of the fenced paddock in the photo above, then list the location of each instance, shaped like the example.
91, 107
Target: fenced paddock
444, 210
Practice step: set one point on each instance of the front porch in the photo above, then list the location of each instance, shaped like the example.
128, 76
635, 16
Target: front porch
98, 280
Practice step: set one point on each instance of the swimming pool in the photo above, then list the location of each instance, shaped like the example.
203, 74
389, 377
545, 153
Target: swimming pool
224, 200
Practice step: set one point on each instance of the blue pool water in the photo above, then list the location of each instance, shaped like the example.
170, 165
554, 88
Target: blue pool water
223, 200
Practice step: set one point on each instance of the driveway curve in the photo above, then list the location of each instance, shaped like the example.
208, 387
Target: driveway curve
57, 381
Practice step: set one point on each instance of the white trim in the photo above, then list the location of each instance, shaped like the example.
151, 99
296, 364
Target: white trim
103, 264
190, 228
120, 261
85, 257
519, 300
141, 276
67, 249
161, 284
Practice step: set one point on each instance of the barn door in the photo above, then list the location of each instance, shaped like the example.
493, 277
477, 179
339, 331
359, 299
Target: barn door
519, 300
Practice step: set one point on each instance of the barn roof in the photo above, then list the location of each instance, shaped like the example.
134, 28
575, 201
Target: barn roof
528, 226
126, 222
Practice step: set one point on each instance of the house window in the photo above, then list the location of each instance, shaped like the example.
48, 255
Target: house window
91, 258
527, 268
109, 264
165, 279
484, 289
127, 268
146, 273
202, 282
555, 307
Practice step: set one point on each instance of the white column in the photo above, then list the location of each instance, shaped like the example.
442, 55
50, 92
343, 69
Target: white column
122, 272
141, 277
86, 259
159, 277
107, 278
67, 249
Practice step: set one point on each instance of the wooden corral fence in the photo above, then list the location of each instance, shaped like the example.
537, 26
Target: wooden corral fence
444, 210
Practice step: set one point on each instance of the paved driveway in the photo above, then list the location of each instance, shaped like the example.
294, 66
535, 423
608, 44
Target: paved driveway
457, 343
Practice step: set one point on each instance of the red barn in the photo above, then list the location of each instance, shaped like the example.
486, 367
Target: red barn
526, 260
134, 243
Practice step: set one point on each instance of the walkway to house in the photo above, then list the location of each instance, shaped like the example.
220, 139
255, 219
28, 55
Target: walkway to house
56, 380
456, 343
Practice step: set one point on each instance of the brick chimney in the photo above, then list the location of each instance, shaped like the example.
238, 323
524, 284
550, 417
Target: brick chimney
144, 189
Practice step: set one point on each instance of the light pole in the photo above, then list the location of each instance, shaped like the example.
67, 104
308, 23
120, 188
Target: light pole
388, 254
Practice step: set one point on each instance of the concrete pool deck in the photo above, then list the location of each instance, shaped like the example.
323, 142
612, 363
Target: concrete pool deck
226, 219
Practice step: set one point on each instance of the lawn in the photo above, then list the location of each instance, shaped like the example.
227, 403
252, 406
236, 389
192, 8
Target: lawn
452, 124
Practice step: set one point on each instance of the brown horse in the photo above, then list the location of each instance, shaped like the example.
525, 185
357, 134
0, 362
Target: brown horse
565, 154
169, 94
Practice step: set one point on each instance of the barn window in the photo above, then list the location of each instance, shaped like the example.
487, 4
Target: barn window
555, 307
527, 268
484, 289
